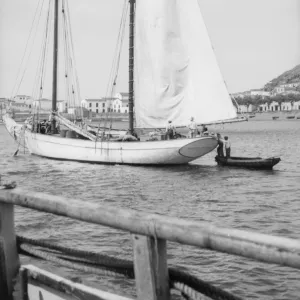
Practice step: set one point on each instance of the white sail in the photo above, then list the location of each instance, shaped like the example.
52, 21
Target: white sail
176, 71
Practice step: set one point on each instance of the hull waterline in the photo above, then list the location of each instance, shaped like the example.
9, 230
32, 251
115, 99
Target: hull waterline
168, 152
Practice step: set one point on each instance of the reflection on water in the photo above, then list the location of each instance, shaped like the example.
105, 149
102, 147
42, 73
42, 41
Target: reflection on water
261, 201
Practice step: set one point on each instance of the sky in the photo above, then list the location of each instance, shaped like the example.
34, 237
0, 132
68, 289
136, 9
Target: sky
254, 41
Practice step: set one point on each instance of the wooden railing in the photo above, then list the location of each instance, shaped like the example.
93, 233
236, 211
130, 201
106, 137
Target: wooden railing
150, 233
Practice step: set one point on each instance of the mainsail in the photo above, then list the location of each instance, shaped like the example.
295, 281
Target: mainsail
176, 71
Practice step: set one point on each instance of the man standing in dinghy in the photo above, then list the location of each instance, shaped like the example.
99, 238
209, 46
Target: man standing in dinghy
220, 149
227, 146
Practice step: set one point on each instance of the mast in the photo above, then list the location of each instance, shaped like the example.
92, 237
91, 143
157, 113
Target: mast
55, 55
131, 63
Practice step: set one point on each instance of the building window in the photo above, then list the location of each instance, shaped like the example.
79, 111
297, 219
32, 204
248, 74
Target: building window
97, 110
90, 105
103, 110
125, 111
96, 104
103, 104
119, 110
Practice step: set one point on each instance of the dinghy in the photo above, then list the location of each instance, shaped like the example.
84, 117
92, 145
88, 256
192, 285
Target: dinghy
248, 162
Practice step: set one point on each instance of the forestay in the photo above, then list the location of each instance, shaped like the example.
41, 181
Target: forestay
176, 71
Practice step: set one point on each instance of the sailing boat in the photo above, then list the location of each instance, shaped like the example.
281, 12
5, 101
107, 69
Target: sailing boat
173, 75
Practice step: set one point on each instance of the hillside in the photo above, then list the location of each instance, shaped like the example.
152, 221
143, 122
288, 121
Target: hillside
286, 77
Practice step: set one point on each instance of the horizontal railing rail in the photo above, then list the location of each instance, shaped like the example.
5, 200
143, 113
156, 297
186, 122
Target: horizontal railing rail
257, 246
266, 248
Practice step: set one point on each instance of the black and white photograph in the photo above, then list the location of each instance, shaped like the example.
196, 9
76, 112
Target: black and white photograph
149, 149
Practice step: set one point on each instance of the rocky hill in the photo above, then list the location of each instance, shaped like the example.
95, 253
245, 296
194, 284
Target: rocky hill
287, 77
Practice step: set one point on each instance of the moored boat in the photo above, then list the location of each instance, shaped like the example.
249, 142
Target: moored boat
248, 162
175, 89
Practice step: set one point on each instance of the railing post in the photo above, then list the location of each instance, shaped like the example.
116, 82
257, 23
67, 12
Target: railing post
9, 259
150, 268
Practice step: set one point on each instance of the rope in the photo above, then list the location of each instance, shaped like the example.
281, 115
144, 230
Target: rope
114, 70
95, 257
78, 266
190, 286
16, 85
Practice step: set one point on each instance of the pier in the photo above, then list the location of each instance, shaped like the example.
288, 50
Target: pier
150, 233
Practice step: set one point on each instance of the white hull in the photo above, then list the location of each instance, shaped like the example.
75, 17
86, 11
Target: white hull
178, 151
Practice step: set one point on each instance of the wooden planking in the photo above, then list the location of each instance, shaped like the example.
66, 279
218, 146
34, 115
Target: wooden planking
150, 268
9, 259
23, 283
262, 247
52, 286
3, 276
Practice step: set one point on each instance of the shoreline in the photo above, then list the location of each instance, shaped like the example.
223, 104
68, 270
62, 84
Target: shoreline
281, 116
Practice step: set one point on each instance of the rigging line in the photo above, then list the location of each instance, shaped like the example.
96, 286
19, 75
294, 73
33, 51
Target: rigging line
44, 55
40, 70
74, 84
67, 73
117, 50
36, 82
121, 30
21, 80
69, 65
64, 43
119, 55
39, 67
35, 14
72, 47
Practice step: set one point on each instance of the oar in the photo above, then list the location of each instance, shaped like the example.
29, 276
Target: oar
16, 152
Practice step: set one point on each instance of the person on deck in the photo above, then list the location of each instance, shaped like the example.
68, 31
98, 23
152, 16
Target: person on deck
170, 130
227, 146
193, 128
220, 149
205, 131
43, 126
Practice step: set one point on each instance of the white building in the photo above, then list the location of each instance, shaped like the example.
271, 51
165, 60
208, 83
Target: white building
4, 103
274, 106
263, 107
46, 104
62, 106
23, 99
296, 105
117, 104
101, 105
124, 97
260, 93
245, 108
292, 84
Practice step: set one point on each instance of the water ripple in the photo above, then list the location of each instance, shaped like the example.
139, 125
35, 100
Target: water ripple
261, 201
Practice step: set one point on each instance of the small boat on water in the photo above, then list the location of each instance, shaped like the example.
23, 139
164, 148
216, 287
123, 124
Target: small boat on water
275, 117
248, 162
290, 117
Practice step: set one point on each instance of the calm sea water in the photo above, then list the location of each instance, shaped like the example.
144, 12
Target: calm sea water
260, 201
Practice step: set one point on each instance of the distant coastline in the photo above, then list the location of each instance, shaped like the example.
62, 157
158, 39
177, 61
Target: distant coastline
282, 115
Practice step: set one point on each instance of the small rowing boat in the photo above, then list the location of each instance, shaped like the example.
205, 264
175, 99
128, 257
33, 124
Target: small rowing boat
248, 162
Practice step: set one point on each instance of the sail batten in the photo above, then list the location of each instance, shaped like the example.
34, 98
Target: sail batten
176, 71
